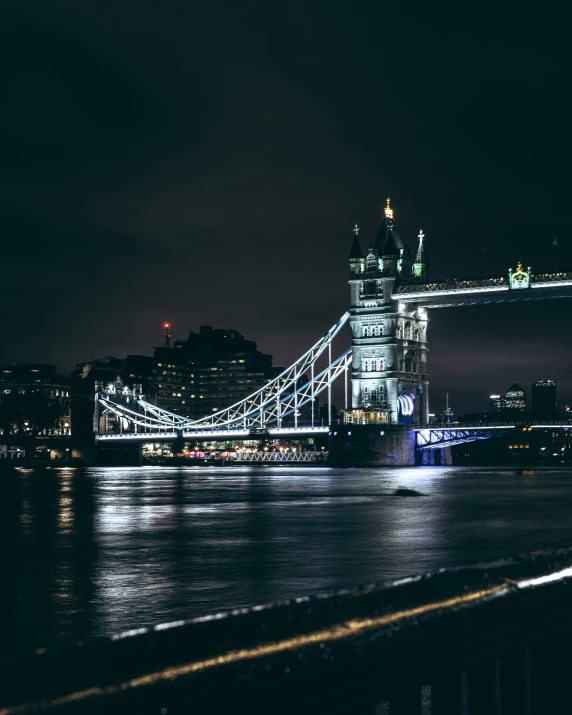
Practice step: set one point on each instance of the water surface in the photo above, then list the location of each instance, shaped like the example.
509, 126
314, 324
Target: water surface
98, 551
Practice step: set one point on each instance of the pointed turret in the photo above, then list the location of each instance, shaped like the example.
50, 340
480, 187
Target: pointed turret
405, 263
356, 248
387, 227
356, 256
390, 248
420, 266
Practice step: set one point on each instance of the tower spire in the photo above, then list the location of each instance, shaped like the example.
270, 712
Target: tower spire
388, 211
421, 250
355, 252
420, 265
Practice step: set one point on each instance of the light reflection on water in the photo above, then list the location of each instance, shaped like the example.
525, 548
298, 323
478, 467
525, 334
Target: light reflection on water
98, 551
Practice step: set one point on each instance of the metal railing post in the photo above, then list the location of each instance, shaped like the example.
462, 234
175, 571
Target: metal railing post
330, 382
346, 387
312, 392
295, 399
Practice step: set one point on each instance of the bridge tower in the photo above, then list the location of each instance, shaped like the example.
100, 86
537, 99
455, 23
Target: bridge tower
390, 384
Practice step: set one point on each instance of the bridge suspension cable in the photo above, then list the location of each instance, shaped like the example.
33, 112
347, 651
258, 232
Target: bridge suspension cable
270, 404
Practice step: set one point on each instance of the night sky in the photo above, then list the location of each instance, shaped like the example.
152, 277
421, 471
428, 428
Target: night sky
206, 165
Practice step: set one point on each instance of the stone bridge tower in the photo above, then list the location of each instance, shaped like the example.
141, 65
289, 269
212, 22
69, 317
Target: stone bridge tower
389, 338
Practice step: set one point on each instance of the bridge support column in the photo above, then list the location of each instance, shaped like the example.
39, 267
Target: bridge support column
122, 455
377, 445
434, 457
424, 416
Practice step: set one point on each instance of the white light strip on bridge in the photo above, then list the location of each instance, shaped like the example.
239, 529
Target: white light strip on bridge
459, 428
404, 297
173, 435
552, 284
216, 433
566, 426
285, 430
456, 428
137, 435
204, 434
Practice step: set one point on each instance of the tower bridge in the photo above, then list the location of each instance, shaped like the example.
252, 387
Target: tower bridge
385, 372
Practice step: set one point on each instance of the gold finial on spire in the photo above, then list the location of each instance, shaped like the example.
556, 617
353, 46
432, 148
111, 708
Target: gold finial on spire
388, 211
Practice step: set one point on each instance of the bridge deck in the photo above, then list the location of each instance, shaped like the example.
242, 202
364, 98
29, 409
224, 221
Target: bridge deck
440, 436
163, 435
450, 293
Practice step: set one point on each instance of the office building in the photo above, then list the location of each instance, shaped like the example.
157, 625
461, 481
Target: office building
209, 371
543, 394
34, 400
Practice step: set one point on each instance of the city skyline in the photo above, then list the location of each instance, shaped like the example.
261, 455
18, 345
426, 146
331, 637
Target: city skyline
221, 186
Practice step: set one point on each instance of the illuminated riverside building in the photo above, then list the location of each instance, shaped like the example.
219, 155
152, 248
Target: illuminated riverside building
209, 371
39, 396
514, 399
389, 338
126, 378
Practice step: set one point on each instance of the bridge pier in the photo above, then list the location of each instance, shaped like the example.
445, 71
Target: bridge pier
434, 457
120, 455
371, 445
377, 445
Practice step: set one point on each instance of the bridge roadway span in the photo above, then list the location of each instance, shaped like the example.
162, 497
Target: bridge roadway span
426, 437
450, 293
439, 436
214, 434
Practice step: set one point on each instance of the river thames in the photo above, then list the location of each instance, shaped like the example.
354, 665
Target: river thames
92, 552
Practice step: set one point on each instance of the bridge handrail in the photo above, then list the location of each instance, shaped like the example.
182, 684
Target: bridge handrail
507, 423
453, 284
490, 633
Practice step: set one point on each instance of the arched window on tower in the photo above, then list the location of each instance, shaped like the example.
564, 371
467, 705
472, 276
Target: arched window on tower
407, 331
371, 262
399, 331
416, 334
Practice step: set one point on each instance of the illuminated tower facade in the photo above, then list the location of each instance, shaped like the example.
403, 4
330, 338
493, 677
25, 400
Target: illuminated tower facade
389, 338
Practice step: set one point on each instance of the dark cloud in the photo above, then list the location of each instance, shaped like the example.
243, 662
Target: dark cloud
207, 164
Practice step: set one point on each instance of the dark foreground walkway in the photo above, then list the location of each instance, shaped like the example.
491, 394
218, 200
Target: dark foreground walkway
490, 639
